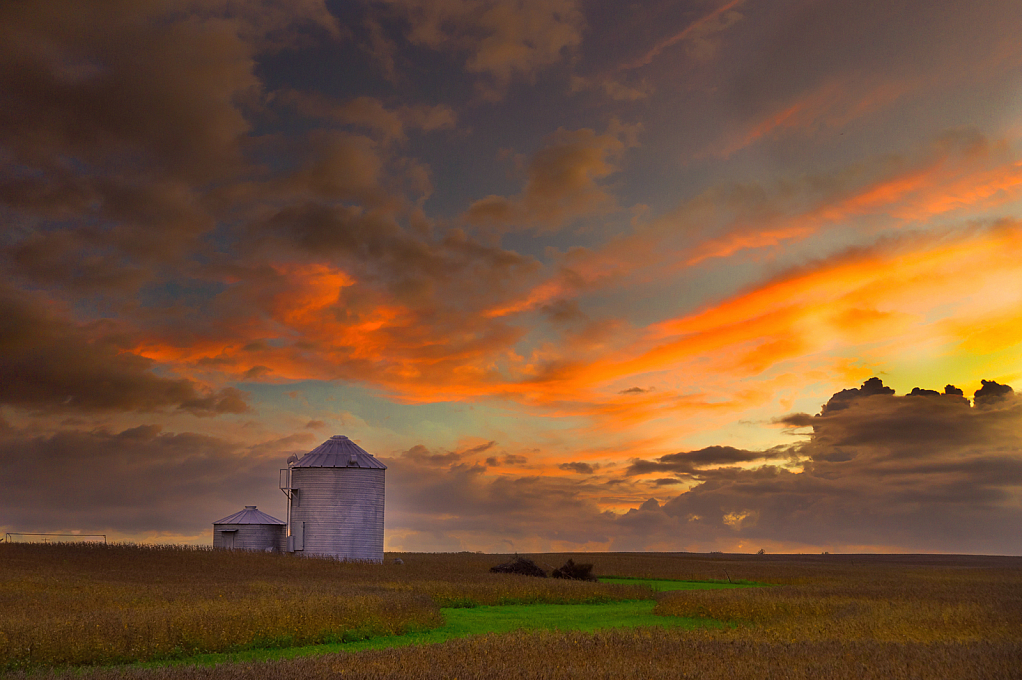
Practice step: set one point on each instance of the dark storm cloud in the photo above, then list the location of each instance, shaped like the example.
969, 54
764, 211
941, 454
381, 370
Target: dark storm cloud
50, 364
842, 399
691, 462
579, 467
927, 472
510, 459
479, 449
137, 480
991, 392
423, 456
127, 133
113, 113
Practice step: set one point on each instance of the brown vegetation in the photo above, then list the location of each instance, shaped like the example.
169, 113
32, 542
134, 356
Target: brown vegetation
882, 604
578, 572
91, 603
624, 654
829, 616
521, 566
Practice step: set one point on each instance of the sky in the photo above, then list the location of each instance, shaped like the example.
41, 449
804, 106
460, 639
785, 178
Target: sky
689, 275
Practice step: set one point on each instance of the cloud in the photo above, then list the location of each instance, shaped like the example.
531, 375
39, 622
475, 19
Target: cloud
579, 467
51, 364
697, 34
691, 462
121, 119
991, 393
125, 127
502, 41
370, 113
460, 506
843, 399
906, 472
830, 106
137, 481
561, 185
423, 456
274, 25
614, 88
927, 473
958, 171
480, 448
915, 472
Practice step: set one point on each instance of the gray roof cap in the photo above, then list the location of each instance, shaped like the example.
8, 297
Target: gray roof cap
249, 516
339, 451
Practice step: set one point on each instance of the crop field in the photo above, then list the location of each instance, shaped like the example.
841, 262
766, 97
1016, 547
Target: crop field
85, 610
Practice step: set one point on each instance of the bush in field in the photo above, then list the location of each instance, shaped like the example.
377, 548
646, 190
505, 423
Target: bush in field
521, 566
577, 572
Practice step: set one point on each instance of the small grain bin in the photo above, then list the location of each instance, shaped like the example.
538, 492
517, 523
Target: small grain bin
250, 529
335, 502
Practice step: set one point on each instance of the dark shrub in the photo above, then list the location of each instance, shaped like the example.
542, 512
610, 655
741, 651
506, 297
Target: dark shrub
578, 572
519, 565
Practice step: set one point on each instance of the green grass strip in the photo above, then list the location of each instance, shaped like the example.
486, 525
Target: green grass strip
462, 622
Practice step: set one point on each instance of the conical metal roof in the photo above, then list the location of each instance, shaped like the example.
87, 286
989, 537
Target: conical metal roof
249, 516
339, 451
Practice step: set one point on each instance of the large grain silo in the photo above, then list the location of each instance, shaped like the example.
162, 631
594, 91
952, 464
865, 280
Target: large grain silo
335, 502
250, 529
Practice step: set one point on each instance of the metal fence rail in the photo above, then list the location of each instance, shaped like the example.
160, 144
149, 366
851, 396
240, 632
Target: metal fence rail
9, 537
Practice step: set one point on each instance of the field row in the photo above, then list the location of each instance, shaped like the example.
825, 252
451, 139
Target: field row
89, 604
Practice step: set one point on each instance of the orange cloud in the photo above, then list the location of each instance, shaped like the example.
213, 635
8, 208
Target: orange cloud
698, 29
316, 321
894, 296
561, 183
830, 106
962, 171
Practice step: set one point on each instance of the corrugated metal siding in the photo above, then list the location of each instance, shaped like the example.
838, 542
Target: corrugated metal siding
251, 536
342, 509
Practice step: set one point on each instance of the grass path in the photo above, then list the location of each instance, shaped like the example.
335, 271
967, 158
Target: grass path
477, 621
462, 622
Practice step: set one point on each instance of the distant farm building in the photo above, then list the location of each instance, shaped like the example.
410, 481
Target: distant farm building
335, 502
250, 529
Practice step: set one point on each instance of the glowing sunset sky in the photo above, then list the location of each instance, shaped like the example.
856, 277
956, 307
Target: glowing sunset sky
582, 274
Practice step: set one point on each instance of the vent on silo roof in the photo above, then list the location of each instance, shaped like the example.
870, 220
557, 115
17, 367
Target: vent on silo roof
339, 451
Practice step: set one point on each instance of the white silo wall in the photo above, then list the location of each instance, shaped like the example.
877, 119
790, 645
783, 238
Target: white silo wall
250, 536
338, 512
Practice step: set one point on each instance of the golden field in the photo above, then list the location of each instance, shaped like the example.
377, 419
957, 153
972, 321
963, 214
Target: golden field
827, 616
97, 604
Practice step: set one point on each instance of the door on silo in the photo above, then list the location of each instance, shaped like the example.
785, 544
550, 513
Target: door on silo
228, 538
